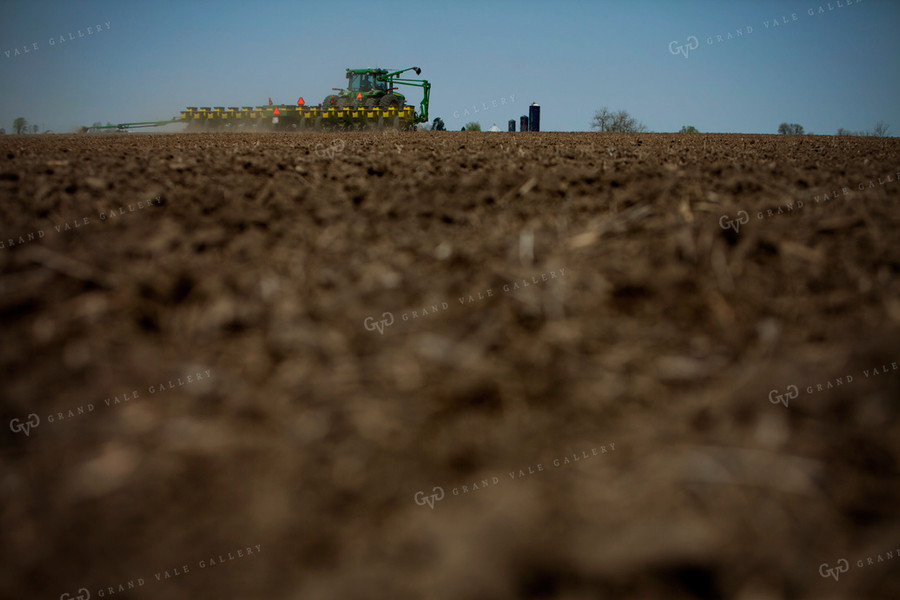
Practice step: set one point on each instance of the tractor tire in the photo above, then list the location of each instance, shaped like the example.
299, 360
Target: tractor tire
391, 101
371, 102
330, 101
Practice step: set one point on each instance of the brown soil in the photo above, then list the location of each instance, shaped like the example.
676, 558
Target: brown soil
657, 321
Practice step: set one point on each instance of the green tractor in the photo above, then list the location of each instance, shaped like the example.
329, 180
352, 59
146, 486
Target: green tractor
374, 88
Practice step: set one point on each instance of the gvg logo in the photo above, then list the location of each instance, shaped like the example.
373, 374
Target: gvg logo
323, 151
16, 425
790, 393
371, 324
438, 495
692, 44
826, 571
742, 219
83, 594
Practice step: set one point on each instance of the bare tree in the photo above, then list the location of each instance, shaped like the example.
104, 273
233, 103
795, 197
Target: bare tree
881, 129
790, 129
20, 125
620, 122
602, 119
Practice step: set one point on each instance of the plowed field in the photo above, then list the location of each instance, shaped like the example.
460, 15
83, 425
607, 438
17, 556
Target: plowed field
454, 366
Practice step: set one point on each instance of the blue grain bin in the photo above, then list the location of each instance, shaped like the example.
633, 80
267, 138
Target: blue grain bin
512, 124
534, 116
523, 123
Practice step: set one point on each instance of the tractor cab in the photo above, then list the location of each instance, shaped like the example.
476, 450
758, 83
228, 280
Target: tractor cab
366, 81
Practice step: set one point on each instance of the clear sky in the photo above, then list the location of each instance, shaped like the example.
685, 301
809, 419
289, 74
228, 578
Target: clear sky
835, 68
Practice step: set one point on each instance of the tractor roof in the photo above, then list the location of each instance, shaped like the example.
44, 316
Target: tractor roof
376, 71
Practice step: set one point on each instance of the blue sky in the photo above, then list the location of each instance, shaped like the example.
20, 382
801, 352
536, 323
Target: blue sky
837, 68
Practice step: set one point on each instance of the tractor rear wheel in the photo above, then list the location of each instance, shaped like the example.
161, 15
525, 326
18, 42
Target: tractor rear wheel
330, 101
391, 101
371, 102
